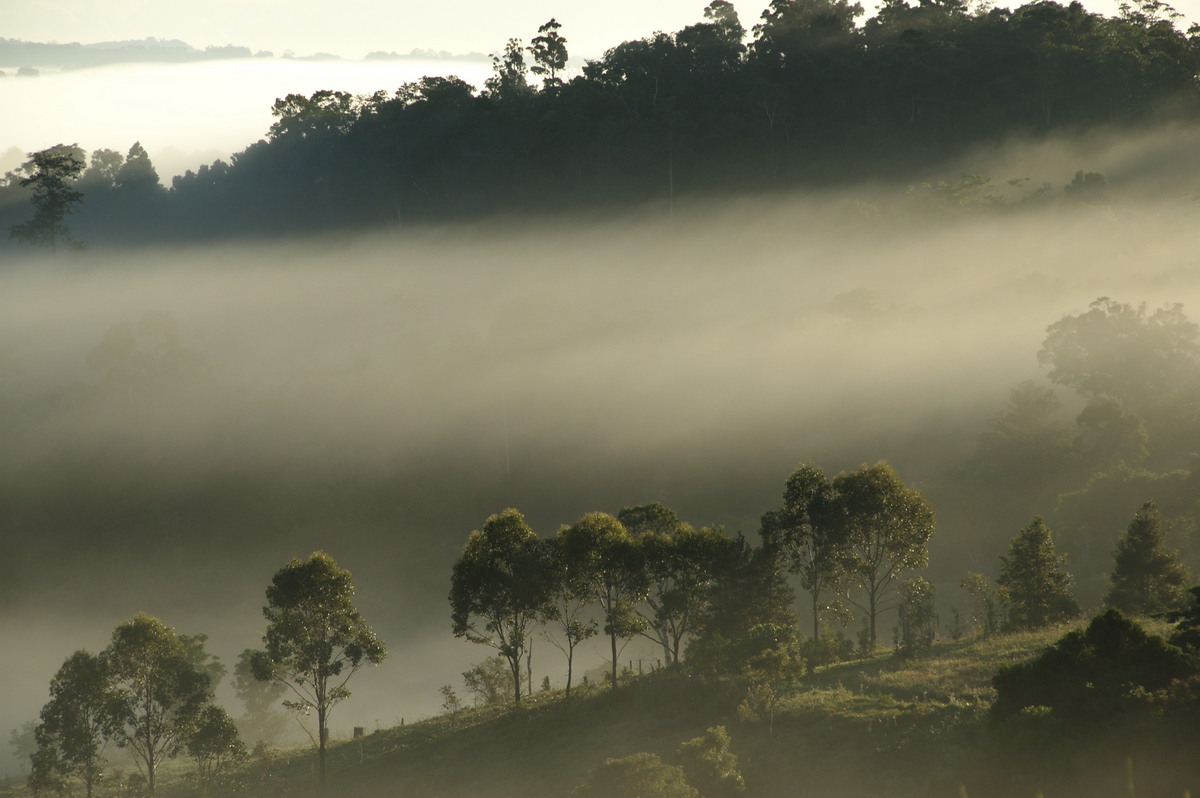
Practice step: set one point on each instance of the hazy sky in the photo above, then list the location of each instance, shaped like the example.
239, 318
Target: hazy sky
352, 28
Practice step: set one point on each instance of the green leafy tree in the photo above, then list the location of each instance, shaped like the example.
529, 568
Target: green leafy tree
567, 602
636, 776
918, 617
679, 563
51, 175
75, 725
1187, 624
709, 765
315, 640
1146, 578
886, 529
157, 692
214, 745
549, 51
611, 574
488, 682
1034, 580
985, 609
770, 661
499, 588
802, 528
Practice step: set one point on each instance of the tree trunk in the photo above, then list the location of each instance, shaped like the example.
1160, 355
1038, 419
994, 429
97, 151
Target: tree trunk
570, 657
321, 735
816, 613
514, 665
613, 637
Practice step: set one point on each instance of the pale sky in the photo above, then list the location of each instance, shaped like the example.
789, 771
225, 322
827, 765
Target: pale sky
352, 28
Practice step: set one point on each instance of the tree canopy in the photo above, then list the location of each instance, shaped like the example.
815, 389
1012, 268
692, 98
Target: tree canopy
315, 639
499, 588
1035, 581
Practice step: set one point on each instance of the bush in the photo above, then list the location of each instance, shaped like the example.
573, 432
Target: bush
636, 776
1093, 676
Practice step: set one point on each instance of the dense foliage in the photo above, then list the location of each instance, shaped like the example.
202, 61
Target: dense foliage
808, 96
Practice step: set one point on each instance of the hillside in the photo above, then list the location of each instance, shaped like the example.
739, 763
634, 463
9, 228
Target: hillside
871, 727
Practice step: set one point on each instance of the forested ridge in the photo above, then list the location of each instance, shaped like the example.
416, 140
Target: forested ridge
808, 94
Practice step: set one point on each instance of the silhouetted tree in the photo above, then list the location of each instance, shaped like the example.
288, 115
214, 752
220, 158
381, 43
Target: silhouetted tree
549, 51
51, 175
137, 173
508, 80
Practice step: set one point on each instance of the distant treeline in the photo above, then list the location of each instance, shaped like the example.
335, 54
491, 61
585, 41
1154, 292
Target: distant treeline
807, 96
74, 55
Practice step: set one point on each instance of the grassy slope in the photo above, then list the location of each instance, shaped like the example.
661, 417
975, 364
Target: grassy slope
878, 727
874, 727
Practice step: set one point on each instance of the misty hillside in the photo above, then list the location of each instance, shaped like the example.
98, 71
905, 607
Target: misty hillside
809, 94
952, 245
880, 726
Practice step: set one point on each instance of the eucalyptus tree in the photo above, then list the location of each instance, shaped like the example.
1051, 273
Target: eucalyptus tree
214, 744
500, 587
157, 692
611, 574
549, 51
315, 640
679, 565
567, 602
885, 529
802, 529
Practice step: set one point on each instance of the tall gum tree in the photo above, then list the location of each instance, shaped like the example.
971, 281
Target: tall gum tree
499, 588
157, 692
885, 528
612, 574
801, 529
315, 639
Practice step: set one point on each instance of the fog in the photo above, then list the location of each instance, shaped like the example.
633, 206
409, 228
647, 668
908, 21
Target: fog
179, 424
186, 114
